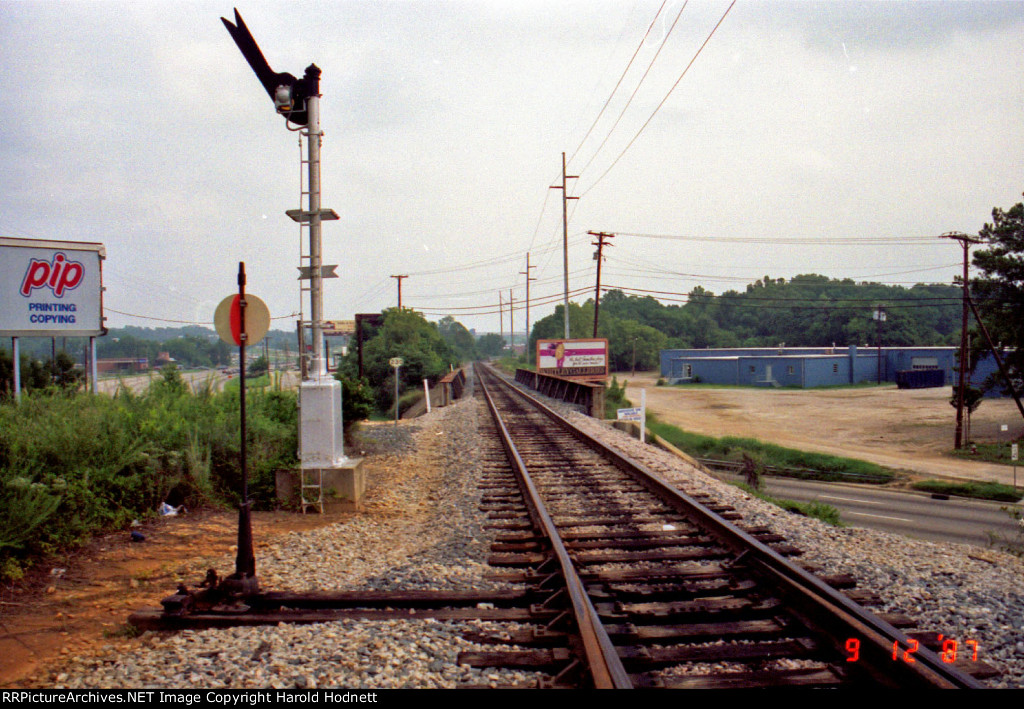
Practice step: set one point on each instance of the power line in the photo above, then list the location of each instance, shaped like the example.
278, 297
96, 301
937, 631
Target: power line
180, 322
658, 108
803, 240
908, 303
807, 299
618, 83
643, 78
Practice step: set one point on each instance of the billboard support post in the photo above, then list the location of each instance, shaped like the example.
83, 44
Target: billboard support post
16, 349
92, 364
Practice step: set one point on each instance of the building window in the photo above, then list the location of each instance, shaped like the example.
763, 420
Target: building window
918, 363
835, 369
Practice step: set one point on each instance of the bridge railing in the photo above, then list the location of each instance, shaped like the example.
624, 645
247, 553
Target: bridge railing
589, 395
452, 386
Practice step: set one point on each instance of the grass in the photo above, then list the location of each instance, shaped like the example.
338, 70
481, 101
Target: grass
830, 387
821, 466
981, 491
989, 452
74, 464
259, 382
818, 510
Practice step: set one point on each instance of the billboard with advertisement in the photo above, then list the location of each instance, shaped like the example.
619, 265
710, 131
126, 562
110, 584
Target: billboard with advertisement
585, 359
51, 288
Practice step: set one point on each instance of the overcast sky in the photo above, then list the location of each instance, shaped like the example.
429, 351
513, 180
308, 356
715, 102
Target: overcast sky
806, 137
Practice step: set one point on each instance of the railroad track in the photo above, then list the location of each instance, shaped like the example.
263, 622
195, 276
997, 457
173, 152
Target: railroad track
644, 586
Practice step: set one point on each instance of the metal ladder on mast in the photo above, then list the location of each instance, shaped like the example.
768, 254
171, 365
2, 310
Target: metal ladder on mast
311, 482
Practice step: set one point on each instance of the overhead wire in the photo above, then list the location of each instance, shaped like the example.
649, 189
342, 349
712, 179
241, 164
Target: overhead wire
181, 322
802, 240
658, 108
650, 66
618, 83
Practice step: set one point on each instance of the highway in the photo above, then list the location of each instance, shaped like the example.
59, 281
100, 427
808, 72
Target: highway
195, 379
912, 514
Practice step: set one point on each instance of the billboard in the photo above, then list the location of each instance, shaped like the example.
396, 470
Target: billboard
51, 288
573, 358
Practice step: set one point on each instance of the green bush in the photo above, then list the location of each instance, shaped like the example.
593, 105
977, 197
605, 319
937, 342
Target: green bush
615, 398
409, 399
818, 510
72, 465
732, 448
983, 491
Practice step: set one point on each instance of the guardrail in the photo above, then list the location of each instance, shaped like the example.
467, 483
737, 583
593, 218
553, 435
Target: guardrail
452, 385
804, 473
586, 394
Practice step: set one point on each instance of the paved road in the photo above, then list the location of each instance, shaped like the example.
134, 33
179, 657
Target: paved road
140, 382
903, 429
911, 514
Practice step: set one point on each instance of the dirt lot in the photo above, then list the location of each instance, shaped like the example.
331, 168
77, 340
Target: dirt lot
84, 606
908, 429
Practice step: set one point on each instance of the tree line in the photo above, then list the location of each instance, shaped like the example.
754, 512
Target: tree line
805, 311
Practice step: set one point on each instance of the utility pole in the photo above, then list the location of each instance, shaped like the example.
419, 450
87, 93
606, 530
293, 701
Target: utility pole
995, 353
511, 326
601, 236
399, 279
565, 238
501, 316
965, 242
528, 279
879, 316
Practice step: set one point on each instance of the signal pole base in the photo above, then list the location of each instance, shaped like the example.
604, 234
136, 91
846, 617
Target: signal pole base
322, 443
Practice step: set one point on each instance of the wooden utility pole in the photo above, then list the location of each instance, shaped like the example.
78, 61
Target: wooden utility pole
528, 279
399, 279
565, 238
995, 353
879, 316
511, 326
965, 242
601, 236
501, 316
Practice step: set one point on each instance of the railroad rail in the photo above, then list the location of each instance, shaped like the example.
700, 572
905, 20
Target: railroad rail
623, 581
655, 588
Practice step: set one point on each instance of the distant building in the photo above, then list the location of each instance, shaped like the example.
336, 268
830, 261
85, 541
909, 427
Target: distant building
807, 367
130, 365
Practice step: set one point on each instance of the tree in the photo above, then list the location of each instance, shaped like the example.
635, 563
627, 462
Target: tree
490, 345
552, 327
258, 367
459, 339
406, 334
999, 290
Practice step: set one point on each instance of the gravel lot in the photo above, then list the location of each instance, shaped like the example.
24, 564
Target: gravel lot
420, 530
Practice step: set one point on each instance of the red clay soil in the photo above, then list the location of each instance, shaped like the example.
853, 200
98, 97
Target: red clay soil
53, 615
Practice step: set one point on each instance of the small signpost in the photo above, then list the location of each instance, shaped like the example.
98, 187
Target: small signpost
397, 363
632, 414
636, 413
1013, 457
242, 320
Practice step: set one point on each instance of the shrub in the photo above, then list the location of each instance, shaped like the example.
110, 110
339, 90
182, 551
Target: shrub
72, 465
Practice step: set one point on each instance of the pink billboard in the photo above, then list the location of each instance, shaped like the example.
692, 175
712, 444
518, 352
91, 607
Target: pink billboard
573, 358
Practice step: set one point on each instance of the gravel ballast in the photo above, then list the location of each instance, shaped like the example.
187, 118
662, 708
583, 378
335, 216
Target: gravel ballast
421, 529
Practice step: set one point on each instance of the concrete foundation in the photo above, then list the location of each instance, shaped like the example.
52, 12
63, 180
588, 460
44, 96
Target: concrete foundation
343, 486
322, 439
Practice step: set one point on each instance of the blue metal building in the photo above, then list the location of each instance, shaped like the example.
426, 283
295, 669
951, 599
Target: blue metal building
810, 366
